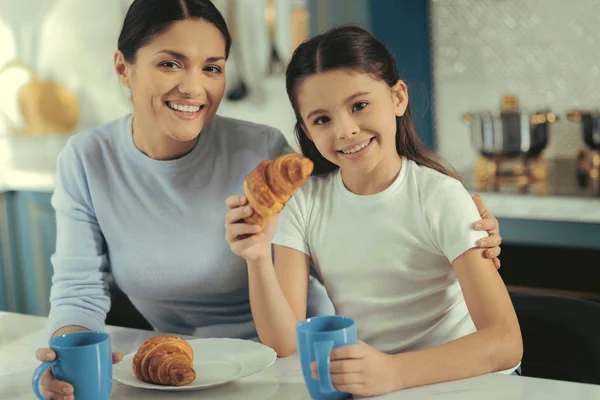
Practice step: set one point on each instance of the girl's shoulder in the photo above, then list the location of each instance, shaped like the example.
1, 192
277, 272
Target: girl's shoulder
319, 183
433, 185
316, 189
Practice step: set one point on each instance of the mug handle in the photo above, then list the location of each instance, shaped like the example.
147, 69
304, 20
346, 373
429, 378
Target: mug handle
35, 380
323, 359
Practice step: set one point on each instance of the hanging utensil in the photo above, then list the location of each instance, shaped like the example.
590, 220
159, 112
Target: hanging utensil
47, 107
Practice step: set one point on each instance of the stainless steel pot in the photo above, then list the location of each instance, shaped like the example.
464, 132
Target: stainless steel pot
590, 126
510, 134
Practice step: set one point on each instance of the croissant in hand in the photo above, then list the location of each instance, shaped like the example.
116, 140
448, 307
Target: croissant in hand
165, 360
271, 184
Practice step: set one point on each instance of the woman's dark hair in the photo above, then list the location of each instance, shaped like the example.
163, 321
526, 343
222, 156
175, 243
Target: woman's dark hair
353, 48
146, 19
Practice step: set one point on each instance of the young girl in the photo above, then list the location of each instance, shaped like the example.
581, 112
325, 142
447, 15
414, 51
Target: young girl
387, 227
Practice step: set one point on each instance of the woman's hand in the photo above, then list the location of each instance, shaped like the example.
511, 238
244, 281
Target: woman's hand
490, 224
244, 239
53, 388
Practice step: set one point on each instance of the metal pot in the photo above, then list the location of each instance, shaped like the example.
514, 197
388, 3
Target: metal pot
510, 133
590, 126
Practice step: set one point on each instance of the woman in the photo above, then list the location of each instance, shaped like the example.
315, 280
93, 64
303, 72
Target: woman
143, 195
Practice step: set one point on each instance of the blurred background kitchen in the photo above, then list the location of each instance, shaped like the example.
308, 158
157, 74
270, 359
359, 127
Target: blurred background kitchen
507, 91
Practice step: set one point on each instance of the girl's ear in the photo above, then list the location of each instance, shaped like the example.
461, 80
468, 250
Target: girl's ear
400, 97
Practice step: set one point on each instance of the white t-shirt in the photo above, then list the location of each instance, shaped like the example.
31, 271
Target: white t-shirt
385, 259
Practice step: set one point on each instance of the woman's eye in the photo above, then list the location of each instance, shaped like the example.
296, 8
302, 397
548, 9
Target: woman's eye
213, 69
169, 65
321, 121
359, 106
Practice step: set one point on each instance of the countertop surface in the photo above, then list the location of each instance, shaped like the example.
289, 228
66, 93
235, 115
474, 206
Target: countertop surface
21, 335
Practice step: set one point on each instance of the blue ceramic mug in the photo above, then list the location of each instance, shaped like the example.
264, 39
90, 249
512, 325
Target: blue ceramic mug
83, 359
316, 338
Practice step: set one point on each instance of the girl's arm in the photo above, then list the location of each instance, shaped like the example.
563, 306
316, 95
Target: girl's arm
278, 297
496, 345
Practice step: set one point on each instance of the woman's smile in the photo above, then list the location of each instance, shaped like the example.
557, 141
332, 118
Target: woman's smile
186, 110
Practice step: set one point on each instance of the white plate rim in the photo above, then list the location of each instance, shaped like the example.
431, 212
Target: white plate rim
243, 370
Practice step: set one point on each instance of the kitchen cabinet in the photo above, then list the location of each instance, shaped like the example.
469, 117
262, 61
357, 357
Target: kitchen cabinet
35, 236
580, 235
3, 236
10, 289
28, 240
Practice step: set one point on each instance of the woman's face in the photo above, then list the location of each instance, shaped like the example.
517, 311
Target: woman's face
177, 80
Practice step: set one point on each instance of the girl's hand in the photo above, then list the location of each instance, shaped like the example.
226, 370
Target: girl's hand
244, 239
361, 370
490, 224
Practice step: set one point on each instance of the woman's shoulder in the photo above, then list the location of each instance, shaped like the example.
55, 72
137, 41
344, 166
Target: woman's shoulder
95, 141
238, 127
266, 141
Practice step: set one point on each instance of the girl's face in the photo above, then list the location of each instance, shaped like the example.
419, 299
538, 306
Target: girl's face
351, 118
178, 79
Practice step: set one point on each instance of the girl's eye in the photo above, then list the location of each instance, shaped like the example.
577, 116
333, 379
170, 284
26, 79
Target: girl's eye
169, 65
321, 121
359, 106
213, 69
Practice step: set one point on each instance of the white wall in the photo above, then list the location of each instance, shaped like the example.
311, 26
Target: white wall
544, 51
74, 42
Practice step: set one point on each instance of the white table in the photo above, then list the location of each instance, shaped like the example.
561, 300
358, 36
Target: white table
21, 335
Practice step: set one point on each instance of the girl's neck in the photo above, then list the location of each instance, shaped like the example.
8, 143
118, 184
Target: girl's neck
158, 145
374, 181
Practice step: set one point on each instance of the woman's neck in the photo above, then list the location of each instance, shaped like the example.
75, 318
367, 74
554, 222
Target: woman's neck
158, 145
374, 181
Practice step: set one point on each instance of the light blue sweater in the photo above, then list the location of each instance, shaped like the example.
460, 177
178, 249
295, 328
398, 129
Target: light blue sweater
159, 227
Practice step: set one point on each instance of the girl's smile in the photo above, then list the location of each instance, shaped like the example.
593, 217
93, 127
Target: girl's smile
358, 149
351, 119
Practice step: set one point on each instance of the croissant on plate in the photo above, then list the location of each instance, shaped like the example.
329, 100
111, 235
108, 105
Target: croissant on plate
271, 184
165, 360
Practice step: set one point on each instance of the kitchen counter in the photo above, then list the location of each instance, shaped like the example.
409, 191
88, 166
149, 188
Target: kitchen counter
559, 198
28, 162
542, 208
22, 335
27, 180
503, 205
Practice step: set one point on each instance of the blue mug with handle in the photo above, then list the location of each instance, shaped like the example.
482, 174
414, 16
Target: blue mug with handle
83, 359
316, 338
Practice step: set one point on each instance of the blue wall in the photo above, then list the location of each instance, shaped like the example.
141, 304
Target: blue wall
326, 14
403, 26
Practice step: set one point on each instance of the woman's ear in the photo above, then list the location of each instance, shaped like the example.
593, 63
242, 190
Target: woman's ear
122, 68
400, 97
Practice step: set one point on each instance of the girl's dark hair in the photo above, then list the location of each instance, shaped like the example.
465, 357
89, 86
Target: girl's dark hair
353, 48
146, 19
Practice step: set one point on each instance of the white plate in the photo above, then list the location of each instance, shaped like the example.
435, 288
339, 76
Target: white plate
216, 362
